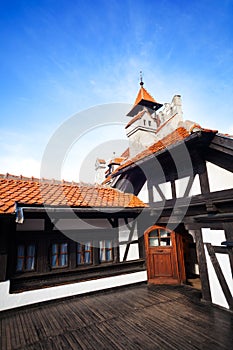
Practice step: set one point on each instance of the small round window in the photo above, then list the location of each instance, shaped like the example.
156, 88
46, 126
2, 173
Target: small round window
159, 237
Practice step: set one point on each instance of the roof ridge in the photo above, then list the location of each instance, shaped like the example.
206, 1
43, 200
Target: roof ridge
137, 117
44, 180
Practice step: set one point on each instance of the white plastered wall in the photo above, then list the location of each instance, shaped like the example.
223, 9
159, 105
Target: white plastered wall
10, 301
215, 237
124, 232
219, 178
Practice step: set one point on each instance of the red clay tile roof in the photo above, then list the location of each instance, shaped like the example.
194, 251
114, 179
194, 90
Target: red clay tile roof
33, 192
117, 161
174, 137
134, 119
125, 154
101, 161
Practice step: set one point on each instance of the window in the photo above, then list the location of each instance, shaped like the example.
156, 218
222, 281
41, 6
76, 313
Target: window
106, 251
149, 123
25, 257
144, 122
159, 237
59, 255
84, 253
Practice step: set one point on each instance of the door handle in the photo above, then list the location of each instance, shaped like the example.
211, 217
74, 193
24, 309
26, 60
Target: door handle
160, 251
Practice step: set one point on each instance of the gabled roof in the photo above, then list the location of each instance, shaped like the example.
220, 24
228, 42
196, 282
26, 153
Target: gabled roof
101, 161
125, 154
38, 193
180, 134
134, 119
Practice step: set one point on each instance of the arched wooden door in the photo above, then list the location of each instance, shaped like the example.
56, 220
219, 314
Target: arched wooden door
164, 256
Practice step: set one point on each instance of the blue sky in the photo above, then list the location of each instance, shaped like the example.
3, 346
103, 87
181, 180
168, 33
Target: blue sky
60, 57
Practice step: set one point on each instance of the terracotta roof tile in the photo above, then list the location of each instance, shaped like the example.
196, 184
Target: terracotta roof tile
61, 194
143, 94
134, 119
174, 137
125, 154
143, 99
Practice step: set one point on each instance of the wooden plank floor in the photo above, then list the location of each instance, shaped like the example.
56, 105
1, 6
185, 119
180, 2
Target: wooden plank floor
136, 317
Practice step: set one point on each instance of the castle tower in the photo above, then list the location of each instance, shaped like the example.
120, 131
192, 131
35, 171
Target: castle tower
144, 121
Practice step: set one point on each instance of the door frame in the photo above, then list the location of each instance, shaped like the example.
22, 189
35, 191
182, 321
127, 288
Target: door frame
178, 255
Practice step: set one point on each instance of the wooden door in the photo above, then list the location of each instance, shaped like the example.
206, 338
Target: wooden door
164, 264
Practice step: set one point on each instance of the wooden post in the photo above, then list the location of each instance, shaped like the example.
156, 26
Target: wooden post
5, 230
173, 188
221, 278
206, 296
204, 180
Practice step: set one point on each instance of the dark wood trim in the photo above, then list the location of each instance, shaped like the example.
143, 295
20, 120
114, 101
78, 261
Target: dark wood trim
173, 188
202, 266
228, 227
225, 250
150, 192
4, 246
189, 186
131, 233
220, 275
204, 180
81, 274
160, 192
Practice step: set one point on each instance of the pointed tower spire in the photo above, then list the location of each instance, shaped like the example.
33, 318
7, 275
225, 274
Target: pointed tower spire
143, 99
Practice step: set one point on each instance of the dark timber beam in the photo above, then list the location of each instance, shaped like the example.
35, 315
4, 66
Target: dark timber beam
204, 180
189, 186
221, 278
173, 188
132, 227
206, 296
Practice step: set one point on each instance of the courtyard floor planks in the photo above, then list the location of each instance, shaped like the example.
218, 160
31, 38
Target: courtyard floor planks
136, 317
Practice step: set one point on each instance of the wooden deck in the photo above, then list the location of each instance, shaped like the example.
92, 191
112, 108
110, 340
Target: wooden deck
136, 317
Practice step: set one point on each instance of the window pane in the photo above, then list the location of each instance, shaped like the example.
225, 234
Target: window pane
78, 258
20, 257
63, 260
55, 248
154, 233
64, 248
153, 242
54, 255
88, 246
87, 259
108, 244
108, 255
165, 241
30, 259
164, 233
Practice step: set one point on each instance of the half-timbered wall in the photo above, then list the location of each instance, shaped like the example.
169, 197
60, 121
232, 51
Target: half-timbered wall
219, 178
218, 266
121, 266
